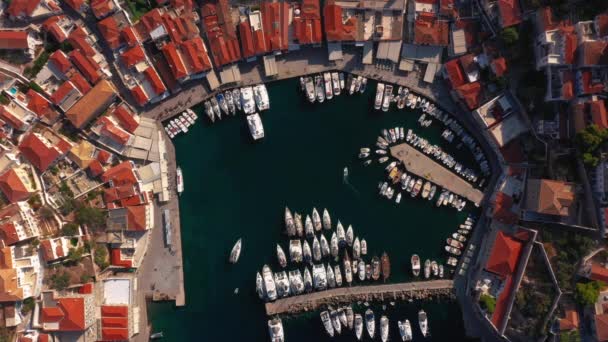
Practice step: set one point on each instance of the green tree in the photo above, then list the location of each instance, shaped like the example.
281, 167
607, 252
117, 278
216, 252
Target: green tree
46, 213
101, 256
92, 217
60, 281
570, 336
75, 254
487, 303
69, 229
587, 293
28, 305
510, 36
85, 278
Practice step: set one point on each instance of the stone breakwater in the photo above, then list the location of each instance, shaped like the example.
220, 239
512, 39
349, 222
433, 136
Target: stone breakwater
439, 289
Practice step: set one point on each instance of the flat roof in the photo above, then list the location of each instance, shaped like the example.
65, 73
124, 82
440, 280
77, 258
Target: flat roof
389, 50
368, 53
334, 51
117, 291
508, 129
422, 53
270, 66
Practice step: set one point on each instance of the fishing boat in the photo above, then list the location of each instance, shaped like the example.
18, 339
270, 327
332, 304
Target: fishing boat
333, 245
260, 95
308, 227
426, 190
275, 329
179, 177
388, 94
247, 101
316, 249
375, 268
348, 272
349, 236
209, 111
423, 322
335, 79
255, 126
327, 83
259, 285
295, 251
319, 88
361, 270
386, 266
370, 323
356, 249
454, 243
319, 277
222, 102
358, 326
310, 89
307, 280
440, 271
326, 219
269, 285
282, 283
327, 323
289, 224
296, 284
427, 268
384, 328
434, 268
236, 97
453, 250
415, 260
363, 85
324, 247
281, 256
350, 317
405, 329
316, 220
236, 252
379, 96
338, 275
331, 277
363, 247
335, 321
299, 225
342, 84
341, 234
306, 253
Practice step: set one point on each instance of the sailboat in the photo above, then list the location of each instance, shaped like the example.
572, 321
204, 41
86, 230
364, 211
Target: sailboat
358, 326
384, 328
307, 255
335, 321
349, 235
341, 234
316, 220
415, 264
338, 275
370, 323
327, 323
423, 322
334, 245
281, 256
348, 272
289, 224
307, 280
316, 249
356, 249
324, 246
363, 247
295, 251
361, 270
405, 330
259, 285
331, 277
236, 252
308, 227
326, 219
299, 226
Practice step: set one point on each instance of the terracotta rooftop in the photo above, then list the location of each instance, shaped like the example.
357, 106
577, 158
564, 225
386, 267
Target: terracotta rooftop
60, 61
62, 91
510, 12
549, 197
39, 105
598, 272
69, 313
139, 95
155, 81
593, 53
116, 259
133, 56
88, 67
307, 27
91, 104
10, 40
504, 256
247, 44
275, 16
37, 152
335, 28
430, 31
196, 55
22, 7
52, 27
79, 82
76, 5
136, 217
174, 60
102, 8
125, 118
8, 233
130, 36
455, 73
601, 327
9, 288
499, 66
120, 174
110, 31
471, 94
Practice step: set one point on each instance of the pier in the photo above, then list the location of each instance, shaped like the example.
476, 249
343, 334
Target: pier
341, 295
423, 166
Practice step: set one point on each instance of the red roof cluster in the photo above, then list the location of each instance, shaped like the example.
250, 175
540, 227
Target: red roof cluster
40, 105
62, 92
502, 209
80, 83
13, 40
110, 31
130, 36
25, 8
120, 174
110, 130
428, 30
221, 33
115, 320
49, 253
176, 64
125, 118
133, 56
510, 12
116, 259
77, 39
69, 313
197, 60
60, 61
155, 81
307, 26
275, 20
12, 187
37, 152
102, 8
335, 29
86, 65
51, 25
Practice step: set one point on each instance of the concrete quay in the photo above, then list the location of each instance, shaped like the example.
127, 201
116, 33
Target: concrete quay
341, 295
423, 166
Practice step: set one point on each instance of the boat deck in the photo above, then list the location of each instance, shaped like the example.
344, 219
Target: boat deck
423, 166
312, 301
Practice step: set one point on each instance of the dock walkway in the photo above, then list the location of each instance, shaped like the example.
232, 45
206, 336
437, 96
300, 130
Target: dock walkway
423, 166
311, 301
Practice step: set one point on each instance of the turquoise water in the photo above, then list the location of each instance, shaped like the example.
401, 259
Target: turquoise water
238, 189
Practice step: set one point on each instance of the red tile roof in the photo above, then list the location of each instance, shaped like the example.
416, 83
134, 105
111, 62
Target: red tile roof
136, 217
88, 67
118, 261
222, 38
12, 187
589, 85
60, 61
570, 46
114, 311
196, 55
86, 288
130, 36
601, 327
110, 31
79, 82
120, 174
133, 56
570, 321
275, 16
174, 60
502, 209
471, 31
125, 118
598, 113
39, 105
151, 20
62, 91
247, 45
602, 24
593, 53
455, 73
154, 79
39, 154
13, 40
101, 8
11, 119
471, 94
113, 334
103, 156
307, 27
114, 132
598, 272
115, 322
79, 43
505, 255
95, 168
140, 95
69, 313
510, 12
499, 66
76, 5
430, 31
51, 26
8, 233
22, 7
335, 29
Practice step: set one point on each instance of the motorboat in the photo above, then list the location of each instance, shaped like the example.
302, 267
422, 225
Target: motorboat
348, 272
319, 88
329, 94
354, 264
375, 268
379, 96
247, 101
370, 323
310, 89
338, 275
308, 227
341, 77
440, 271
453, 250
383, 160
368, 271
361, 270
349, 236
282, 283
259, 285
331, 277
350, 317
307, 280
415, 260
400, 98
384, 328
454, 243
324, 246
230, 102
459, 237
423, 322
432, 192
209, 111
363, 247
434, 268
333, 245
452, 261
363, 85
236, 98
290, 227
216, 108
299, 225
295, 251
316, 249
341, 234
222, 102
281, 256
350, 84
342, 317
427, 268
306, 252
335, 321
275, 329
398, 198
356, 249
235, 253
326, 219
296, 284
358, 326
327, 323
179, 178
319, 277
405, 330
385, 264
269, 284
316, 220
388, 94
426, 190
255, 126
260, 95
335, 79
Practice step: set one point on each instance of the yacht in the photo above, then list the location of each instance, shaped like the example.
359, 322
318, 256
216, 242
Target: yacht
216, 108
405, 329
341, 234
335, 79
375, 268
259, 285
327, 82
368, 271
299, 225
295, 251
400, 97
229, 102
363, 247
454, 243
432, 193
289, 224
350, 84
434, 268
308, 227
275, 329
316, 220
247, 101
281, 256
333, 245
331, 277
319, 277
388, 94
427, 268
348, 271
310, 89
296, 284
356, 249
179, 177
260, 95
415, 264
326, 219
319, 91
236, 252
307, 280
327, 323
361, 270
350, 317
335, 321
349, 235
363, 85
236, 97
342, 316
222, 102
423, 322
338, 275
358, 326
341, 77
426, 190
370, 323
269, 285
358, 81
384, 328
209, 111
440, 271
282, 284
306, 253
324, 246
453, 250
255, 126
316, 249
379, 96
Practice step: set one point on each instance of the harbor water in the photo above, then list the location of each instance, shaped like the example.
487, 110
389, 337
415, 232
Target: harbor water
235, 188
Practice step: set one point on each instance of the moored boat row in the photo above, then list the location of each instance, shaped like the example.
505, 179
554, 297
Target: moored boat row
324, 86
245, 99
181, 123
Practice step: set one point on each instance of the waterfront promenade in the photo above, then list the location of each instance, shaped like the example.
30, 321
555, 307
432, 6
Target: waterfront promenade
423, 166
311, 301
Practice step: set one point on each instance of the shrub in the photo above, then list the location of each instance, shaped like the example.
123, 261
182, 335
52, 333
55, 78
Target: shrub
587, 293
510, 36
69, 229
60, 281
90, 216
101, 254
28, 305
488, 303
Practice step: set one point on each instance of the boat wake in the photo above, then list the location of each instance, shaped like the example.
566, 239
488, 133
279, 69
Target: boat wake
348, 184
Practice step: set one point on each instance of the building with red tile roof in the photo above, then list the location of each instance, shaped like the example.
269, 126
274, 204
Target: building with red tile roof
140, 96
60, 61
196, 57
121, 174
92, 104
76, 5
221, 33
126, 118
157, 85
88, 67
78, 40
593, 53
335, 28
18, 223
509, 12
150, 22
587, 83
175, 61
39, 151
130, 36
102, 8
502, 210
499, 66
307, 26
54, 249
570, 321
95, 169
275, 19
601, 327
453, 73
598, 272
550, 197
428, 30
111, 32
51, 25
115, 323
471, 94
247, 44
108, 129
16, 185
22, 8
66, 314
117, 260
80, 83
133, 56
13, 40
40, 106
63, 92
138, 217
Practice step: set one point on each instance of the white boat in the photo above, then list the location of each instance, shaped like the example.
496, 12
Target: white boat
440, 271
269, 285
370, 323
281, 281
319, 88
363, 85
341, 234
306, 253
316, 249
281, 256
398, 199
350, 317
259, 285
290, 226
326, 219
379, 96
388, 95
351, 84
319, 277
453, 250
236, 252
327, 323
275, 329
260, 95
333, 245
296, 284
348, 271
310, 89
331, 277
295, 251
427, 268
454, 243
335, 321
316, 220
223, 104
452, 261
405, 330
338, 275
350, 235
255, 126
180, 180
299, 226
307, 280
358, 326
209, 111
335, 79
384, 328
342, 316
361, 270
342, 84
423, 322
356, 249
216, 108
230, 102
434, 268
236, 97
415, 260
329, 94
363, 247
426, 190
324, 246
358, 81
247, 101
308, 227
